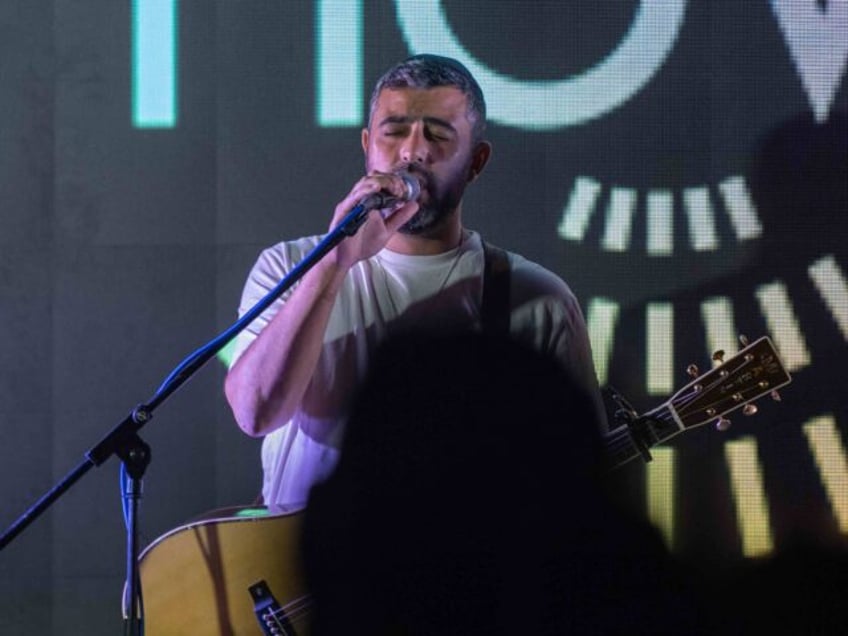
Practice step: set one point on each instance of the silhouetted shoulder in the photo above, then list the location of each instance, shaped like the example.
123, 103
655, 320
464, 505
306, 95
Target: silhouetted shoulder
531, 282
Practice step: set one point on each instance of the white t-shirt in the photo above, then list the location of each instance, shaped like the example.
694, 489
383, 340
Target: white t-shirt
385, 295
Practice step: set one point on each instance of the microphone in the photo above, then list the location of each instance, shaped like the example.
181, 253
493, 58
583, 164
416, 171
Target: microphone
381, 200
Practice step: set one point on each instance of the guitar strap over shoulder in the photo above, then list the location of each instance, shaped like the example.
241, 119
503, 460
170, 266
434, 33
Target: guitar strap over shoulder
494, 311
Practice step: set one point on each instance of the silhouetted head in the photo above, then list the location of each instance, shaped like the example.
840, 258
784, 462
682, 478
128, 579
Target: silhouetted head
467, 500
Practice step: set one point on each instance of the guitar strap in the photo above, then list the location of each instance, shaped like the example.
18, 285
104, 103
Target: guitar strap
494, 311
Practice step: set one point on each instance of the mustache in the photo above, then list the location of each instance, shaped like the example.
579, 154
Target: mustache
416, 170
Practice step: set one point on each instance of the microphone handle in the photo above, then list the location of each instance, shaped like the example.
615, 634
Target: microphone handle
381, 200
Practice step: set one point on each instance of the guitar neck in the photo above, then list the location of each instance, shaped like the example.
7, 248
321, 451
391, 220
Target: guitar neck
753, 372
621, 447
631, 441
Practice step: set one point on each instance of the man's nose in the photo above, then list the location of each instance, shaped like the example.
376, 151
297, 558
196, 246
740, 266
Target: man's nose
415, 148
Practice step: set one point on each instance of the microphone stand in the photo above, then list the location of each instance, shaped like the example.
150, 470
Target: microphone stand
123, 440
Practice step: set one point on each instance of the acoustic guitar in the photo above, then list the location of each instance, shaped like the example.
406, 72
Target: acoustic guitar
224, 573
198, 578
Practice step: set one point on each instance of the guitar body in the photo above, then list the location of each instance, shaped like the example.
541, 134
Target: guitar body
196, 579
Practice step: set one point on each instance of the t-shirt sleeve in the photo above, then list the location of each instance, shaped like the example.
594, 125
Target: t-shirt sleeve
270, 268
547, 314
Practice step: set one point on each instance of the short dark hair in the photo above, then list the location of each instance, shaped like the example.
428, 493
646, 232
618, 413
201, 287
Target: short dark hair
430, 71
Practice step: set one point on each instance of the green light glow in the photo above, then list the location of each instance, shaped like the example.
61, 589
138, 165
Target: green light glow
225, 355
252, 512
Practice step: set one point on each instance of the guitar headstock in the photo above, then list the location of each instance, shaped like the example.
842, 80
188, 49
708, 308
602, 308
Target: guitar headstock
735, 383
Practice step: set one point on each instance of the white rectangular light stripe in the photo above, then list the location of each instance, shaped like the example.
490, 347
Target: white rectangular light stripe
338, 71
699, 210
740, 208
783, 325
578, 210
601, 318
833, 288
746, 480
719, 325
154, 63
619, 220
660, 348
660, 492
660, 219
829, 453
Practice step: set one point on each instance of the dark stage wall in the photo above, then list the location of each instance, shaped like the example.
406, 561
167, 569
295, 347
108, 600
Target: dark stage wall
682, 164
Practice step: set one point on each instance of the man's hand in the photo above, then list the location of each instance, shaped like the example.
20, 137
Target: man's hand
379, 226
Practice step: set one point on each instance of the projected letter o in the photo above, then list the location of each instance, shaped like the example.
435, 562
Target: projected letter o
551, 104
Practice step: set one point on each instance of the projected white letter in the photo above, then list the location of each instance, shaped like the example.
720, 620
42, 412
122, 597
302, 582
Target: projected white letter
338, 73
817, 38
546, 105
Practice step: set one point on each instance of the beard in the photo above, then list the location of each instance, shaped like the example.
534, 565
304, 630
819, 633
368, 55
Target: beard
435, 211
427, 218
441, 199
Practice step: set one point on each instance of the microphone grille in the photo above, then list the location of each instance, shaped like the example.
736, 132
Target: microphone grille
413, 186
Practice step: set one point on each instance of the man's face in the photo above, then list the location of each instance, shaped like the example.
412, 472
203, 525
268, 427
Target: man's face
428, 133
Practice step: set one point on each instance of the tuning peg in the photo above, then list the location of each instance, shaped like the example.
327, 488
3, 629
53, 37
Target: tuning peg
749, 409
693, 371
775, 396
718, 356
743, 340
722, 424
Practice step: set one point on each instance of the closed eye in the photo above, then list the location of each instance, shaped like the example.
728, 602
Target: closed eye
437, 137
394, 132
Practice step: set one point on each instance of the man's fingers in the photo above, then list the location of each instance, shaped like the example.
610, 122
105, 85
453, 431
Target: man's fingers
394, 219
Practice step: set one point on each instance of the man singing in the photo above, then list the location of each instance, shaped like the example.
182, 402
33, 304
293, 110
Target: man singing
411, 267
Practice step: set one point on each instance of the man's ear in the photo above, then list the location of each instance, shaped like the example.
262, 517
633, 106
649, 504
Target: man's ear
479, 158
365, 140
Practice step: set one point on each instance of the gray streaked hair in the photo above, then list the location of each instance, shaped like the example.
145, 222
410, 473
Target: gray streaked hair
430, 71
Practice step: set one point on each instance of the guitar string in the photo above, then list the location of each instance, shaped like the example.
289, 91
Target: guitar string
280, 625
618, 442
621, 440
292, 615
686, 400
286, 613
293, 610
